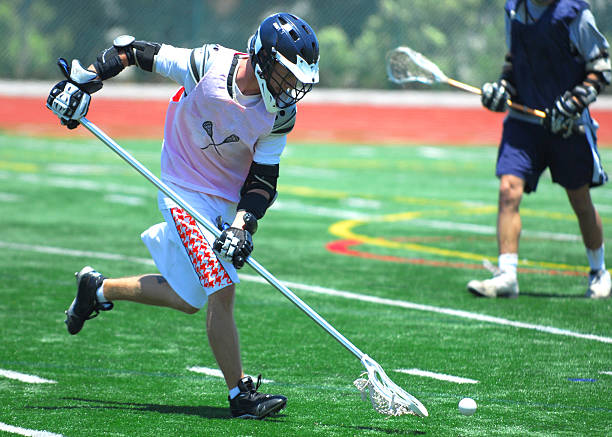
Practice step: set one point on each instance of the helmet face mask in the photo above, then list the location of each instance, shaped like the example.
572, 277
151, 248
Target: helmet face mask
285, 56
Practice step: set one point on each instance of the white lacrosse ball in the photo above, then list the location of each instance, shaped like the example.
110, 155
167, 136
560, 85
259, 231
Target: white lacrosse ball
467, 406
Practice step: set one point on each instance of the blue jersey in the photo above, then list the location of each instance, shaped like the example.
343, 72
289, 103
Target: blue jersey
545, 62
550, 46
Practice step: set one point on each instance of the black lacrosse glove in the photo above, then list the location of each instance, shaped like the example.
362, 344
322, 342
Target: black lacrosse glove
495, 95
566, 110
235, 244
561, 118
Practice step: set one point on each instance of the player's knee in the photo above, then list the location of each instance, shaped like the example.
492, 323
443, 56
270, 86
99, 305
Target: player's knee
510, 192
509, 196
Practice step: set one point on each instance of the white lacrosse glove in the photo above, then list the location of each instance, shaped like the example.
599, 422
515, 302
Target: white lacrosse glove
495, 95
70, 98
68, 102
234, 245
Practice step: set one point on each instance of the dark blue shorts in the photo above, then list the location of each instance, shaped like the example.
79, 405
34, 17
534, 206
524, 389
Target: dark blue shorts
527, 149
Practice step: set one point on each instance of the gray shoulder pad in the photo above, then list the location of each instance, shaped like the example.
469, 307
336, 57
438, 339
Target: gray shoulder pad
284, 121
201, 59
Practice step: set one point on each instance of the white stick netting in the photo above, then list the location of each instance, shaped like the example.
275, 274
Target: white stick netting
405, 65
386, 397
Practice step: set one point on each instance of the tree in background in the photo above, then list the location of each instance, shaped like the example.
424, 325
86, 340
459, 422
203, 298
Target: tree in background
461, 36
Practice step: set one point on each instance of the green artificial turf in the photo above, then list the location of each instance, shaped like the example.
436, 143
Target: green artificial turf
420, 219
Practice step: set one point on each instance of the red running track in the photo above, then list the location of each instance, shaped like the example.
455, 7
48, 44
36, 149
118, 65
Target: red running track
349, 123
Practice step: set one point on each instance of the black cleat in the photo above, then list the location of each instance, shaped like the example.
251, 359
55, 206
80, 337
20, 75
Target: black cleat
250, 404
85, 305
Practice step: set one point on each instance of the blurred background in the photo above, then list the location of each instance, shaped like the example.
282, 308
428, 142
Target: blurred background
464, 37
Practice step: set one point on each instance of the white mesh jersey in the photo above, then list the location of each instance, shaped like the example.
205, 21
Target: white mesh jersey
210, 136
188, 66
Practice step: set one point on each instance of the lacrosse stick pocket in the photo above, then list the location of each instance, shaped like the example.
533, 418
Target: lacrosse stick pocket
386, 397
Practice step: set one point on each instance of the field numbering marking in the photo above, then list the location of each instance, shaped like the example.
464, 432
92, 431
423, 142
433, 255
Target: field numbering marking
27, 432
216, 372
439, 376
23, 377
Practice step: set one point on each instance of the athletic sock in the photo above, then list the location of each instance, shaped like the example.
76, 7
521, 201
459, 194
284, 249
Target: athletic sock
234, 392
100, 294
596, 258
508, 262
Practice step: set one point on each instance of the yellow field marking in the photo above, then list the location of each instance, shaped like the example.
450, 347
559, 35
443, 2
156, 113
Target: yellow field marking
345, 230
23, 167
312, 192
461, 207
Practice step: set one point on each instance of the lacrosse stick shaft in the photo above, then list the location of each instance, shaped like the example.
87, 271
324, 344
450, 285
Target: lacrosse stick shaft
517, 106
463, 86
127, 157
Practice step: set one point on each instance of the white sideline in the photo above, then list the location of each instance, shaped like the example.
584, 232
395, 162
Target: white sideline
326, 291
344, 96
28, 432
23, 377
216, 372
439, 376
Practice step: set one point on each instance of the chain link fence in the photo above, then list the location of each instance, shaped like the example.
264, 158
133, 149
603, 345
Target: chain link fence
464, 37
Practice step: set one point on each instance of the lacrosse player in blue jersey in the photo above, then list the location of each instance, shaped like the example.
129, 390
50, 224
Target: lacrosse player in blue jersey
559, 61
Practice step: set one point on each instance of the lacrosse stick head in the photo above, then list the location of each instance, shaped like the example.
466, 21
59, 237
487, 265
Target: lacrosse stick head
386, 397
405, 65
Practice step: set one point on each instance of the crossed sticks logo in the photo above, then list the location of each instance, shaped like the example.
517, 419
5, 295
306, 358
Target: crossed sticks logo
208, 128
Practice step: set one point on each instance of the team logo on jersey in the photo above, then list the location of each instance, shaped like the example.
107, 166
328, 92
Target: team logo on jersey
208, 128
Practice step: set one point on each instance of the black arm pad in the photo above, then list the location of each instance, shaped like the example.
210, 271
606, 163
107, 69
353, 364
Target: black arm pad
599, 84
142, 54
254, 203
261, 177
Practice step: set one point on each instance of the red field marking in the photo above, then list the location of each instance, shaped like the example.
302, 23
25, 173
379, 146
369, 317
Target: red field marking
316, 122
344, 247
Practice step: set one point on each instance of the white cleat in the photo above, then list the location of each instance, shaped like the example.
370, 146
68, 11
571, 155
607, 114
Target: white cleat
501, 285
600, 284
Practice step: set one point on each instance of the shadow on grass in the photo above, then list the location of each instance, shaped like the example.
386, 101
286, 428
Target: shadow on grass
200, 411
386, 431
552, 295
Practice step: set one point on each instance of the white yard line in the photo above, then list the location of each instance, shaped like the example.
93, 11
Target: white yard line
23, 377
605, 373
439, 376
320, 211
80, 183
329, 292
433, 309
75, 253
125, 200
217, 373
9, 197
28, 432
490, 230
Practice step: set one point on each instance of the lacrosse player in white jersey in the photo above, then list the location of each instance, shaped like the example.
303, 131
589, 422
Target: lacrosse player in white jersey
558, 61
224, 134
